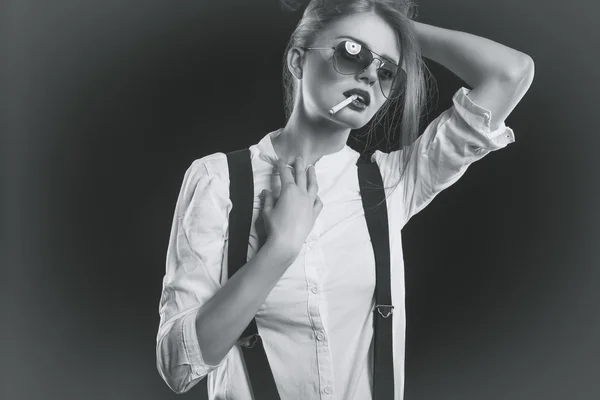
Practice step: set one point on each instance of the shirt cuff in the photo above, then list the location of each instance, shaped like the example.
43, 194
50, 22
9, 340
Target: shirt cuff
192, 346
479, 119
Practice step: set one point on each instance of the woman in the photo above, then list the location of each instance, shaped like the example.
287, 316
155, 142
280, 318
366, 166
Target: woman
309, 279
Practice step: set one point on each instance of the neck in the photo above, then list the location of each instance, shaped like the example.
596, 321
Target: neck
309, 137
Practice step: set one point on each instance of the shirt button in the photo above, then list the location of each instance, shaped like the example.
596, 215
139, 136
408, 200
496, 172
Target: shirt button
327, 390
320, 336
314, 290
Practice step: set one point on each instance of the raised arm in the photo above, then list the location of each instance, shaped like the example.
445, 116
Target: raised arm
470, 129
499, 75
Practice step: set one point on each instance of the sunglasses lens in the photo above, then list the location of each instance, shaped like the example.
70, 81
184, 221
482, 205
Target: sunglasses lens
391, 80
350, 58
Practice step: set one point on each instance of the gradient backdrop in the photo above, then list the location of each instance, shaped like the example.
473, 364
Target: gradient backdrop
106, 103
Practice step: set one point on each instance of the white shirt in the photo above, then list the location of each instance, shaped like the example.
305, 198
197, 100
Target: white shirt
317, 322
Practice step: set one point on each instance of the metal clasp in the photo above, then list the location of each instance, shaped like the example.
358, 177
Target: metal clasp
388, 310
249, 341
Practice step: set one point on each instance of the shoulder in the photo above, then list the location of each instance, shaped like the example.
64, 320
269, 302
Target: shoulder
212, 166
208, 171
206, 182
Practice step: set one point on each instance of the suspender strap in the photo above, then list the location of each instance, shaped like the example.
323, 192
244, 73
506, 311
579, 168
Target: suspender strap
241, 193
374, 204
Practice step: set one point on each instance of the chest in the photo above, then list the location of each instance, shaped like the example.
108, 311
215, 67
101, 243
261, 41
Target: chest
335, 266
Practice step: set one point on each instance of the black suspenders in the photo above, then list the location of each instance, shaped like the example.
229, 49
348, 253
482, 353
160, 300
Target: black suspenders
241, 189
241, 193
373, 199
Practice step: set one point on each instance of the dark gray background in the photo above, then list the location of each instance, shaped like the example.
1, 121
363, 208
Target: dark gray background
106, 103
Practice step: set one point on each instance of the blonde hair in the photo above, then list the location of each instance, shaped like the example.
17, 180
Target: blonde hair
405, 110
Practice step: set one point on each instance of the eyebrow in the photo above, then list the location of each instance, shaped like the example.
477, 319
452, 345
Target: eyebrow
390, 59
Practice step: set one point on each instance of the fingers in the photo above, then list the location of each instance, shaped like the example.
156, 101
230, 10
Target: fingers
300, 173
305, 179
318, 206
313, 187
267, 201
284, 172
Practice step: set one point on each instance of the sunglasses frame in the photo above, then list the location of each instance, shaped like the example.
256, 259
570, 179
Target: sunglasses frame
374, 55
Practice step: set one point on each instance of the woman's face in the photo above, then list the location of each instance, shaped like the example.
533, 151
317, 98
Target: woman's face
323, 87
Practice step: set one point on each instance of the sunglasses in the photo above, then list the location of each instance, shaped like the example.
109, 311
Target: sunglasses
350, 58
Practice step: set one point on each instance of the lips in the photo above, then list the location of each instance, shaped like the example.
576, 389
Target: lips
364, 96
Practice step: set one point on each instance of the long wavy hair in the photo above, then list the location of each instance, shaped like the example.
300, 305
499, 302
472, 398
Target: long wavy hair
401, 114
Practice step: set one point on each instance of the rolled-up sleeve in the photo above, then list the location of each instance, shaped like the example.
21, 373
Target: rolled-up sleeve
458, 137
193, 275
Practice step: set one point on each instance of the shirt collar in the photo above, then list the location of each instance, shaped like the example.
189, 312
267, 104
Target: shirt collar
265, 151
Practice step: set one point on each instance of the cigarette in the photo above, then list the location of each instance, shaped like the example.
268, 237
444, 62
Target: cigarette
343, 104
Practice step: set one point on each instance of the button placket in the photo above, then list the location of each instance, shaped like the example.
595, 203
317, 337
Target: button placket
315, 275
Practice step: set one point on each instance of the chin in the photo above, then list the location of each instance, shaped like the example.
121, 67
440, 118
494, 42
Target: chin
352, 119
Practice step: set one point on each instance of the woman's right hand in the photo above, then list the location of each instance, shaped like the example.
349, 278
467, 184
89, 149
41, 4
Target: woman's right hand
289, 219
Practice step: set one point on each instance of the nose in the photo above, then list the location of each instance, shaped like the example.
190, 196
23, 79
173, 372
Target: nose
369, 74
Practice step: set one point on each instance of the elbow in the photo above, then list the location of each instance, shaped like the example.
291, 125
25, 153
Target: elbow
523, 72
180, 377
178, 383
172, 383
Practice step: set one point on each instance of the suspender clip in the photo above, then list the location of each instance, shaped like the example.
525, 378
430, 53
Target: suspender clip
249, 341
387, 310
